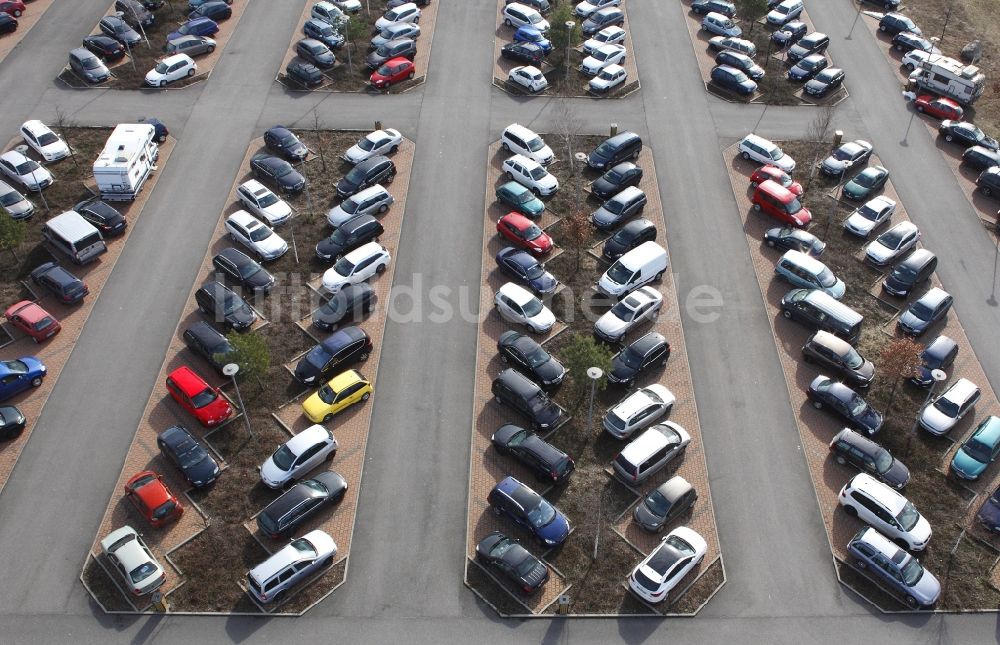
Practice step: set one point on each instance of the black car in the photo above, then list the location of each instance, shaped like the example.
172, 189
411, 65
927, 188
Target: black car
208, 342
216, 10
547, 462
789, 34
350, 303
891, 5
304, 73
374, 170
343, 348
181, 448
65, 286
513, 561
787, 238
524, 353
622, 146
643, 354
527, 53
392, 4
702, 7
160, 130
809, 44
243, 270
981, 158
315, 52
939, 355
808, 67
893, 23
194, 4
524, 395
285, 514
135, 12
283, 141
356, 231
849, 447
103, 216
399, 47
829, 79
906, 41
8, 23
615, 180
628, 237
733, 79
668, 501
988, 181
12, 422
279, 171
825, 393
966, 134
105, 47
224, 305
120, 30
989, 512
526, 268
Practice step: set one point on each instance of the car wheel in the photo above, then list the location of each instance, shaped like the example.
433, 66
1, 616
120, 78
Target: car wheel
506, 148
380, 268
850, 510
328, 418
898, 48
840, 460
806, 358
883, 28
910, 66
508, 23
504, 359
635, 155
987, 190
389, 178
393, 149
410, 75
383, 208
818, 405
911, 602
161, 138
948, 137
756, 207
366, 396
510, 176
497, 511
163, 83
278, 597
920, 108
211, 48
36, 382
658, 276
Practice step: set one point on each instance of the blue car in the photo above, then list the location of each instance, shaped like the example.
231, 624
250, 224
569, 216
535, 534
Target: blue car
529, 509
196, 27
526, 268
978, 451
18, 375
528, 34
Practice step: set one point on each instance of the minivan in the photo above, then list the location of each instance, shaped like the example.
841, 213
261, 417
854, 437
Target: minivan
622, 146
640, 266
370, 201
75, 236
650, 451
519, 140
272, 578
772, 198
809, 273
914, 270
838, 355
817, 310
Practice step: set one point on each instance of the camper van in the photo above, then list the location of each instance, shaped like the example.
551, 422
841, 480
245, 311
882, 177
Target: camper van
951, 78
129, 156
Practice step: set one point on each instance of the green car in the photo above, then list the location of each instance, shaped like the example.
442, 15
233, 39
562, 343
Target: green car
520, 199
978, 451
866, 182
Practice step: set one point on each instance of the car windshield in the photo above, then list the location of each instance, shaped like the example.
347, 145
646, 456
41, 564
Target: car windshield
978, 450
536, 144
184, 29
614, 176
739, 77
947, 406
532, 308
531, 232
343, 267
892, 239
249, 270
541, 514
853, 359
793, 206
231, 302
904, 273
883, 461
281, 169
826, 278
657, 503
912, 572
16, 367
865, 179
27, 166
537, 357
204, 397
302, 545
921, 310
9, 199
776, 153
283, 458
142, 572
349, 206
811, 64
289, 141
858, 406
868, 213
366, 144
161, 67
383, 50
630, 358
537, 173
522, 197
326, 393
163, 510
43, 323
385, 70
192, 456
825, 76
47, 138
908, 517
620, 274
623, 310
603, 55
339, 236
259, 233
534, 271
535, 18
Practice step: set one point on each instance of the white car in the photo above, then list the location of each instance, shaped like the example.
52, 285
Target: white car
613, 35
604, 56
297, 456
584, 9
263, 203
380, 142
530, 174
518, 305
879, 506
127, 553
529, 77
638, 410
759, 149
519, 140
295, 562
914, 58
640, 305
518, 15
679, 552
170, 69
329, 13
44, 141
785, 12
942, 415
357, 266
891, 245
373, 200
867, 218
403, 13
392, 32
607, 79
14, 203
256, 236
350, 6
25, 171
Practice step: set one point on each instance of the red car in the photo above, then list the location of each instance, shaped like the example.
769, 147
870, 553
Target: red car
524, 233
33, 320
939, 107
775, 174
12, 7
199, 398
394, 70
153, 499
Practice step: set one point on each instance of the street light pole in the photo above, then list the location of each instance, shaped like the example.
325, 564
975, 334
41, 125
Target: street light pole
230, 370
909, 96
996, 257
594, 374
858, 15
569, 41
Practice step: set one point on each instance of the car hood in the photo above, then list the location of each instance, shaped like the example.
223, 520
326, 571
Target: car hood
914, 323
277, 211
333, 281
244, 316
271, 475
532, 208
549, 372
859, 224
855, 190
870, 421
620, 371
591, 63
355, 154
879, 253
611, 324
604, 217
22, 207
967, 465
555, 531
544, 319
345, 187
935, 422
545, 283
55, 149
645, 517
35, 366
989, 514
271, 244
898, 475
328, 249
614, 249
927, 590
203, 472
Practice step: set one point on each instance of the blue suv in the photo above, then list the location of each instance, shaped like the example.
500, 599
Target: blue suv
529, 509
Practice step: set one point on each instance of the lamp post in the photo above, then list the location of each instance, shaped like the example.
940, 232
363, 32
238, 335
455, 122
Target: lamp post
569, 41
848, 37
594, 374
231, 370
909, 97
996, 257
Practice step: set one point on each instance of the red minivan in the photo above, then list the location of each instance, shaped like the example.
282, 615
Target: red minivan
780, 203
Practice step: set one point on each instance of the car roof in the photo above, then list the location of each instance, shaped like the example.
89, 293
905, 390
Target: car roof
287, 555
873, 488
962, 390
357, 222
759, 140
988, 431
188, 380
940, 347
934, 296
175, 434
651, 440
364, 251
879, 542
205, 332
177, 58
805, 261
825, 338
307, 438
519, 130
517, 293
342, 337
255, 187
637, 226
518, 382
633, 404
857, 440
520, 493
362, 195
674, 488
643, 345
245, 218
34, 126
31, 312
153, 492
236, 256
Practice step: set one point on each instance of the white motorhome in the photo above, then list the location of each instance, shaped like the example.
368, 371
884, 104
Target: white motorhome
125, 163
950, 77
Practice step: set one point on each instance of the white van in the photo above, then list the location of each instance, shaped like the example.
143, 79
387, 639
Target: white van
638, 267
75, 236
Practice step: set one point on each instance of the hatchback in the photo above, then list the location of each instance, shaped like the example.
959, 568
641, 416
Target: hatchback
870, 216
350, 303
347, 346
978, 451
133, 560
20, 374
938, 355
622, 206
529, 510
949, 408
665, 503
201, 400
719, 24
224, 305
880, 506
151, 497
980, 158
88, 64
336, 395
300, 502
925, 311
893, 244
312, 50
297, 456
548, 463
398, 48
350, 235
529, 78
664, 568
524, 233
628, 237
31, 319
725, 7
191, 45
526, 269
808, 67
602, 18
393, 71
361, 264
914, 270
637, 307
786, 238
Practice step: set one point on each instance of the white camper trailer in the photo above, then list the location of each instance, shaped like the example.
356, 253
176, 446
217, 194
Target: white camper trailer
125, 163
951, 78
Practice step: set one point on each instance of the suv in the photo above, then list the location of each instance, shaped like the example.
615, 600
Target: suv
759, 149
627, 238
208, 342
637, 358
224, 305
344, 348
521, 393
638, 410
622, 146
529, 509
548, 463
305, 74
353, 233
894, 567
400, 47
894, 23
849, 447
375, 170
272, 578
947, 409
836, 354
989, 181
243, 270
892, 514
785, 12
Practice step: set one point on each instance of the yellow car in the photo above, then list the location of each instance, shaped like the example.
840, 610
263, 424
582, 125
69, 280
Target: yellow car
342, 391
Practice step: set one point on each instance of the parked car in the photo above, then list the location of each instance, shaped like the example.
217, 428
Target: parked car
840, 357
638, 410
297, 561
519, 140
808, 67
66, 287
622, 206
883, 508
733, 79
524, 233
849, 447
329, 13
526, 355
13, 8
277, 170
244, 271
664, 504
398, 48
394, 71
533, 35
12, 422
607, 79
216, 10
602, 57
350, 303
981, 158
666, 565
725, 7
925, 311
641, 305
785, 238
519, 306
315, 52
31, 319
893, 23
828, 394
336, 395
584, 9
263, 203
88, 65
870, 216
978, 451
616, 179
628, 237
741, 62
939, 107
515, 390
151, 497
43, 141
789, 34
613, 35
785, 12
324, 32
894, 567
191, 45
300, 502
283, 141
25, 171
548, 463
989, 513
906, 41
521, 199
19, 374
526, 269
129, 555
777, 175
353, 233
407, 12
256, 236
988, 181
374, 170
649, 452
780, 203
380, 142
937, 355
893, 244
914, 58
297, 456
529, 510
721, 25
949, 407
804, 271
523, 52
915, 269
361, 264
206, 341
202, 401
812, 43
304, 73
394, 31
966, 134
374, 200
867, 182
829, 79
117, 28
528, 78
759, 149
103, 216
513, 561
347, 346
601, 19
613, 150
731, 43
195, 27
8, 23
